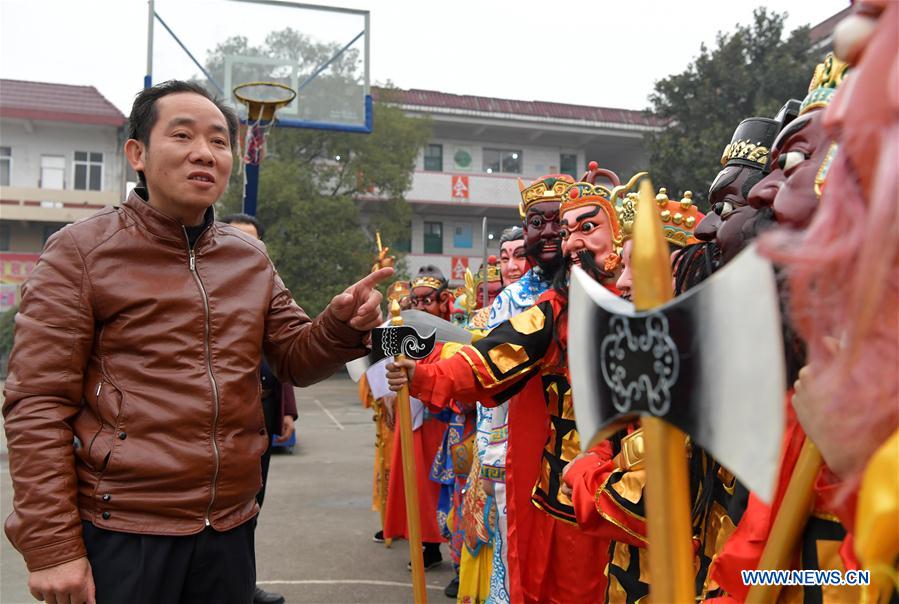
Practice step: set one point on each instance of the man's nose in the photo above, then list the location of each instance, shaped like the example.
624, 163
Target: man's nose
576, 242
763, 193
201, 153
708, 227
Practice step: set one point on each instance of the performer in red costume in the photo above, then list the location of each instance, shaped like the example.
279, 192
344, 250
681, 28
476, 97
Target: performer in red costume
525, 356
429, 294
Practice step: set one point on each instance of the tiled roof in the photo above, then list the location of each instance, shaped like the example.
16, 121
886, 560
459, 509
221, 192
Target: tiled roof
537, 109
57, 102
825, 28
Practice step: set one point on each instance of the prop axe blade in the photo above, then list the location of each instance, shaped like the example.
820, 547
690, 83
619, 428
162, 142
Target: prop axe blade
693, 362
400, 339
444, 330
423, 323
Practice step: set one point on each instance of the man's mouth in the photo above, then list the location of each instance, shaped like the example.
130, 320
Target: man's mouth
201, 177
550, 246
575, 259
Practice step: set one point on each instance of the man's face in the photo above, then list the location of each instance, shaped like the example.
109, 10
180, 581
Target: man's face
730, 211
789, 190
188, 161
586, 229
427, 299
512, 261
247, 228
625, 280
541, 233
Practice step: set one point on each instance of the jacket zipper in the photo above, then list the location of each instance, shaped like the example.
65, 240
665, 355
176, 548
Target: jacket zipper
215, 389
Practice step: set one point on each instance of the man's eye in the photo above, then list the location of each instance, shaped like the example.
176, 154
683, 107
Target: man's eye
536, 222
587, 227
564, 233
789, 160
723, 208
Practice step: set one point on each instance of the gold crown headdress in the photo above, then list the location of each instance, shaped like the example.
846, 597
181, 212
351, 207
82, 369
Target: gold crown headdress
493, 273
398, 290
428, 281
828, 75
545, 188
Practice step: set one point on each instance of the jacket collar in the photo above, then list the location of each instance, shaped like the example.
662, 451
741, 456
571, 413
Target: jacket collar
158, 223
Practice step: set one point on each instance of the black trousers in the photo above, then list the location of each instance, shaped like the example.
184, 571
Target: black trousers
156, 569
271, 410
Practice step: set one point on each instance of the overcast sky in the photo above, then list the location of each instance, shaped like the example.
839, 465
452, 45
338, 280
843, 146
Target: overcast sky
605, 53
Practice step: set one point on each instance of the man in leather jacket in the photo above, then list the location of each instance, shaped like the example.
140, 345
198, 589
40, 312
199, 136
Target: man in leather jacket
132, 409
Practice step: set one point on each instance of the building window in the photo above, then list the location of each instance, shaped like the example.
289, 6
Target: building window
433, 238
53, 169
498, 161
434, 158
568, 164
88, 171
462, 237
5, 166
403, 242
4, 238
49, 229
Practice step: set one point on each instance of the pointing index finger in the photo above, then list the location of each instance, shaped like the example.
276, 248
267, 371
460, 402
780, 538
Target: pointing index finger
371, 280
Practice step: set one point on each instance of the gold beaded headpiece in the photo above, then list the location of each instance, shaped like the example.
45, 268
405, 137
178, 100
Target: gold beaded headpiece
679, 218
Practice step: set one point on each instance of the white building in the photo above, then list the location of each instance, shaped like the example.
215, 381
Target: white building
482, 146
60, 160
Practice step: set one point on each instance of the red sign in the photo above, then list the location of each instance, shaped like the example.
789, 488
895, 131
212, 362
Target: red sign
14, 270
459, 264
459, 187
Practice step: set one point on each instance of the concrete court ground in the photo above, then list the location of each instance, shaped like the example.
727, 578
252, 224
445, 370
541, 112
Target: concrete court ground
313, 543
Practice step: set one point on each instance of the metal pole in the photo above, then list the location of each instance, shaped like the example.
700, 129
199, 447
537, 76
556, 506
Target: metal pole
250, 188
366, 91
484, 256
151, 11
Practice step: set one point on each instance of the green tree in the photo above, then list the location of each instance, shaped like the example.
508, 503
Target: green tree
752, 71
308, 200
7, 331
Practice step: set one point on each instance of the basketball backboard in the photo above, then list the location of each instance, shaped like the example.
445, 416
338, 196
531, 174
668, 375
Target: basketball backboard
320, 52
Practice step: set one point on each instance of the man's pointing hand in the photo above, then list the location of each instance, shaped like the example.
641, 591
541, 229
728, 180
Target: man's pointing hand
360, 304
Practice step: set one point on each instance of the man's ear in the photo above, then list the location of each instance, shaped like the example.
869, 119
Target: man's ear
135, 153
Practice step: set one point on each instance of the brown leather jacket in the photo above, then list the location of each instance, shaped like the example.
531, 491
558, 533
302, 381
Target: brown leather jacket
148, 354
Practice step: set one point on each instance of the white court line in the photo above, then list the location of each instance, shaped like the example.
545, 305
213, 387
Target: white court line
343, 582
329, 414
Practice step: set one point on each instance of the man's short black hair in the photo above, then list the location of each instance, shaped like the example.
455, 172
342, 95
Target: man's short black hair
143, 111
245, 219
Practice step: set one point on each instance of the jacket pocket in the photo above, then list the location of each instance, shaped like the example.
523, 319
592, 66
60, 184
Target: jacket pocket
109, 409
100, 449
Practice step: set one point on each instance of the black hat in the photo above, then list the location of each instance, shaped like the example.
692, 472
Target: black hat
751, 143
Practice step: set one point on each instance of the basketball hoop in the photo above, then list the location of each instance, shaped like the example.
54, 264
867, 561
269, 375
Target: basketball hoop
263, 99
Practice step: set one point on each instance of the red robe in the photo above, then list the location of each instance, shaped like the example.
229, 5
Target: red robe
521, 360
824, 543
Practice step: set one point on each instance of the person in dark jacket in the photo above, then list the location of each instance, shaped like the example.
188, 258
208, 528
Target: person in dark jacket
138, 341
279, 404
